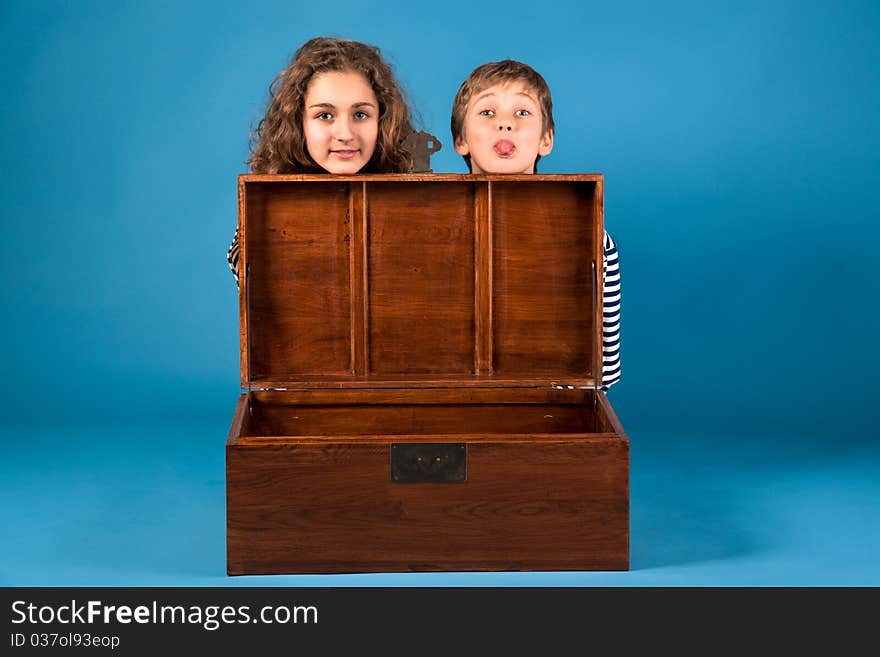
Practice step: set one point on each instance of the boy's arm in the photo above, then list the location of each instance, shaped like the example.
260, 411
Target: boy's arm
611, 314
232, 257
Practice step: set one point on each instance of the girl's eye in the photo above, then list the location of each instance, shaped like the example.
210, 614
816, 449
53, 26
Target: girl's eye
487, 112
324, 116
523, 112
361, 115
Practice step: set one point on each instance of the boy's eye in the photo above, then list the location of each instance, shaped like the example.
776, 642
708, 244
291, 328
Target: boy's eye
523, 112
324, 116
487, 112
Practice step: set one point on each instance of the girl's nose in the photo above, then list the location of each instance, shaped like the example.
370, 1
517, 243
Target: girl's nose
504, 125
342, 130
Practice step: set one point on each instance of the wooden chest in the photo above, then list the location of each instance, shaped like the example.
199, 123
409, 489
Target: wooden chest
421, 358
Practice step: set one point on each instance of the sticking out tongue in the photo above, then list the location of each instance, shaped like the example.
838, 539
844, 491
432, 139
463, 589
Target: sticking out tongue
504, 148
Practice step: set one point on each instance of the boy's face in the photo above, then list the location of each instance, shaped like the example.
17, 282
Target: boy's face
503, 130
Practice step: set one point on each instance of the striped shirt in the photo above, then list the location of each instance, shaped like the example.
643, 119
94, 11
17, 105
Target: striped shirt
610, 305
610, 314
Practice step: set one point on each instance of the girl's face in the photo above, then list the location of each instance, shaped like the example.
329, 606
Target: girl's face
341, 121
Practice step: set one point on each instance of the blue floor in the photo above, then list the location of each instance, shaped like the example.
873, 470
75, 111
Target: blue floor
143, 505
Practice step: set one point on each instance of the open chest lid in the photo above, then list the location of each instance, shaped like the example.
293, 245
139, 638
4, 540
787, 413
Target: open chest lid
404, 281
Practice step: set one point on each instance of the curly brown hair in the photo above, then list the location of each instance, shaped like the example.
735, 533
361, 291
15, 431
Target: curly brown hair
492, 73
278, 144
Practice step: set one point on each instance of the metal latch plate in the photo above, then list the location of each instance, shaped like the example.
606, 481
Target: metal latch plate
437, 463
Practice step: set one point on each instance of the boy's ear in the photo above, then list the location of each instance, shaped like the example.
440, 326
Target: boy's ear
461, 146
546, 144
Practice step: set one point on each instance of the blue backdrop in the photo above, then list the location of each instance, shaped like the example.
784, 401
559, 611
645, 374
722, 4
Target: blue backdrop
739, 141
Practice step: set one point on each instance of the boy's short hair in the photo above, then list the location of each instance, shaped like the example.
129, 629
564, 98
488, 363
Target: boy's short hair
491, 73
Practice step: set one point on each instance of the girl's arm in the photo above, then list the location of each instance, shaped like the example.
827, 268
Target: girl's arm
232, 257
611, 318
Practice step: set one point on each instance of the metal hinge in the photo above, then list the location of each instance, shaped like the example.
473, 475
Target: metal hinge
593, 388
248, 391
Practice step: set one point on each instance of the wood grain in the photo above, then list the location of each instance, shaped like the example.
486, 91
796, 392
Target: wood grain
298, 260
310, 508
244, 340
483, 280
420, 381
599, 284
432, 395
416, 177
358, 279
421, 278
543, 289
451, 308
363, 279
449, 419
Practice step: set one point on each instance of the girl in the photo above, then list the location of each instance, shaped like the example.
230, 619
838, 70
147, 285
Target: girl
336, 108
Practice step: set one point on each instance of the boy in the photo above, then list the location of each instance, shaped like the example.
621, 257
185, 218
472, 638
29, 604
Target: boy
502, 122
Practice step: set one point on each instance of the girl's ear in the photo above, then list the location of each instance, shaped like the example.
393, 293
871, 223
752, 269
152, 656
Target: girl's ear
546, 144
461, 146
